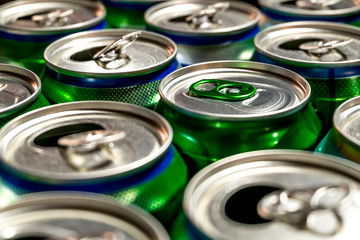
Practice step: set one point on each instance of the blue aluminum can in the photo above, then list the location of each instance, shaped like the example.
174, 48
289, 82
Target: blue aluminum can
28, 27
207, 30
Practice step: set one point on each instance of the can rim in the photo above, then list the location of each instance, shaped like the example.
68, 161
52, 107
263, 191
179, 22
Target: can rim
309, 13
103, 33
302, 157
345, 106
132, 168
90, 201
236, 64
53, 30
344, 28
225, 31
28, 101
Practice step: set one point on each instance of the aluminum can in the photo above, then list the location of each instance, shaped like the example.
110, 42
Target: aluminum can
121, 150
20, 92
76, 216
207, 30
325, 53
278, 11
117, 65
221, 108
28, 27
273, 194
127, 13
343, 139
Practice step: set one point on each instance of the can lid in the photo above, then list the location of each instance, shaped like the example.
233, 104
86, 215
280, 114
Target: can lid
19, 87
82, 141
110, 53
346, 121
313, 8
235, 90
309, 43
46, 17
279, 193
202, 18
75, 215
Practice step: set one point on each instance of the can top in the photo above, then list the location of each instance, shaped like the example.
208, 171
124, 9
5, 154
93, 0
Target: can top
81, 141
346, 121
313, 8
235, 90
110, 53
19, 87
310, 43
46, 17
75, 215
279, 193
202, 18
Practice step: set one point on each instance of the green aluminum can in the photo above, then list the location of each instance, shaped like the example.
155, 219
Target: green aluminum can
114, 65
20, 92
121, 150
221, 108
127, 13
325, 53
28, 27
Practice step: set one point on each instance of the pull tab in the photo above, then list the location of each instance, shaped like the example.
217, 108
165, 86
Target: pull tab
90, 150
316, 4
205, 18
58, 17
221, 89
306, 208
2, 86
112, 56
325, 50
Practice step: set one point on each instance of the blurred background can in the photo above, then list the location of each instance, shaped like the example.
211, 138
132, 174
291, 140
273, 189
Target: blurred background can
121, 150
325, 53
272, 194
27, 27
207, 30
222, 108
117, 65
343, 139
278, 11
76, 216
20, 92
127, 13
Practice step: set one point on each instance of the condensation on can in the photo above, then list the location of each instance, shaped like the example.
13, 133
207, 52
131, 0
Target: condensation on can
117, 149
20, 92
273, 194
132, 75
28, 27
207, 30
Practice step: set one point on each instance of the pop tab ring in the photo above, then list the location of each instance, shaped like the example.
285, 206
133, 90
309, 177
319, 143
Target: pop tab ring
205, 18
316, 4
112, 56
221, 89
59, 17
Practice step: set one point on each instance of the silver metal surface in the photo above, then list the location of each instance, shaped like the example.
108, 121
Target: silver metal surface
346, 121
126, 139
313, 8
285, 42
76, 216
329, 186
29, 17
171, 16
279, 92
75, 53
19, 87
